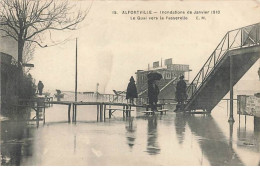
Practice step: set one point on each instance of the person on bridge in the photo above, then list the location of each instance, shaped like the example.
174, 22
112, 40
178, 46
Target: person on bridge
131, 91
153, 92
40, 87
180, 94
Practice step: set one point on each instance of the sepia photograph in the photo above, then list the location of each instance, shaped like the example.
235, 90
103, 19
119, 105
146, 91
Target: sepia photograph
130, 83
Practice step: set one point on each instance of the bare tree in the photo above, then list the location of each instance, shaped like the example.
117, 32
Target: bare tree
29, 48
27, 20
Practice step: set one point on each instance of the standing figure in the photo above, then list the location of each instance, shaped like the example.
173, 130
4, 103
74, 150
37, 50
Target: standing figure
153, 92
180, 94
40, 87
131, 91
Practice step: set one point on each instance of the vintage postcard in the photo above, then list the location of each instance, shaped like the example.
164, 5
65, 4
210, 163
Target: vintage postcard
130, 83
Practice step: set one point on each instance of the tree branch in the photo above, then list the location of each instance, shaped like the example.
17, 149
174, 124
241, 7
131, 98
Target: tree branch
28, 20
7, 33
37, 43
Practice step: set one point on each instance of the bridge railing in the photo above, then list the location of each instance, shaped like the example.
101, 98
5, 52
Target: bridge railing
106, 97
234, 39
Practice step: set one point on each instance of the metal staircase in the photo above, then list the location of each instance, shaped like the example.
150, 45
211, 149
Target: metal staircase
211, 83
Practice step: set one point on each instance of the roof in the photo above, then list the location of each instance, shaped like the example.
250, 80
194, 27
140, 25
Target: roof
5, 58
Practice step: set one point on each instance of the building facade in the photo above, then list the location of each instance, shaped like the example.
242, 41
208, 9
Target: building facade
8, 80
170, 75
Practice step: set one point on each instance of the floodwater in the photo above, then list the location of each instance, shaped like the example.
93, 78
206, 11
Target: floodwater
171, 139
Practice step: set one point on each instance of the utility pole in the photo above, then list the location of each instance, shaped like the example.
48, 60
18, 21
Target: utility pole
76, 71
231, 118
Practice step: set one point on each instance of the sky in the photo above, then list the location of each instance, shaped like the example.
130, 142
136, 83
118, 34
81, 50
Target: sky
111, 48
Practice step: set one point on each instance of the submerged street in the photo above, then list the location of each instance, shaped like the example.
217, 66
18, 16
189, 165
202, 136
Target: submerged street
171, 139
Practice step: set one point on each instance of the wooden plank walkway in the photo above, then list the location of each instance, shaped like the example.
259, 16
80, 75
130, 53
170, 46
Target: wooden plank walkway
102, 107
59, 102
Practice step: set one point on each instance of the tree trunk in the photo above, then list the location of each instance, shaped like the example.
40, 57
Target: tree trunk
20, 53
20, 67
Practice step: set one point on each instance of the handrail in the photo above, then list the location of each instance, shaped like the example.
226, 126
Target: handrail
207, 60
245, 27
172, 80
142, 92
168, 83
246, 33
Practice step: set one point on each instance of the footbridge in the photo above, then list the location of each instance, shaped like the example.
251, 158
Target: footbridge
238, 50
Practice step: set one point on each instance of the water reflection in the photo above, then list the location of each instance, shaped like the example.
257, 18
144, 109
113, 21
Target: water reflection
180, 124
152, 143
75, 143
16, 141
212, 141
231, 126
257, 132
130, 131
249, 139
83, 144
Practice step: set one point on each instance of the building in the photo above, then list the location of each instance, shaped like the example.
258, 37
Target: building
8, 80
170, 76
9, 46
